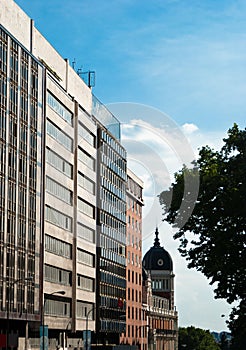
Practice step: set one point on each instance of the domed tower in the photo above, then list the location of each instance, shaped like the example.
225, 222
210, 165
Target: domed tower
158, 263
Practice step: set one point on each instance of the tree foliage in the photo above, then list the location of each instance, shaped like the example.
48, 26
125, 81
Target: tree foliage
192, 338
237, 324
212, 237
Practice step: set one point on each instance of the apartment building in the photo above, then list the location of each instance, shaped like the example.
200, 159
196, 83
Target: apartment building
63, 201
135, 332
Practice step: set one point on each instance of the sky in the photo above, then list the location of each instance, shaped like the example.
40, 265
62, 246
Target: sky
173, 72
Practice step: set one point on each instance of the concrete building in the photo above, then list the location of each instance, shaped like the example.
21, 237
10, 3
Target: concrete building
63, 181
135, 332
158, 298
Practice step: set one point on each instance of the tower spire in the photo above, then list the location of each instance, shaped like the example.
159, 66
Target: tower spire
157, 241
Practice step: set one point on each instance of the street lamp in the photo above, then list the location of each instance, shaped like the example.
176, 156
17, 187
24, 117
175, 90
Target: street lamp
8, 297
86, 327
61, 292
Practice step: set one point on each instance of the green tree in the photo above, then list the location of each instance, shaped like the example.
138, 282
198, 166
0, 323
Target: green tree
192, 338
224, 342
212, 237
237, 324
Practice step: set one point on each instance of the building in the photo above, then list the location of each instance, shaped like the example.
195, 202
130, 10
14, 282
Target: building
111, 234
21, 115
70, 250
63, 200
135, 324
158, 298
70, 216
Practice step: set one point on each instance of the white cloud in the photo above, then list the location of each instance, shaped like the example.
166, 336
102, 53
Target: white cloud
189, 128
154, 157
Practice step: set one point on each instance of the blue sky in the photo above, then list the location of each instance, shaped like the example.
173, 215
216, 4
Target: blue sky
186, 58
176, 65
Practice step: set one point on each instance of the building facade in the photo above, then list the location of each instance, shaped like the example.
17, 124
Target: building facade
21, 78
63, 200
158, 304
111, 235
135, 324
71, 250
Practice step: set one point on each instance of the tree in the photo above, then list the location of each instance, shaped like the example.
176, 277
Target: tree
237, 324
212, 237
224, 342
192, 338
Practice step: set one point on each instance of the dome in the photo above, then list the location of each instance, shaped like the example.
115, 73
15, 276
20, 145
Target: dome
157, 258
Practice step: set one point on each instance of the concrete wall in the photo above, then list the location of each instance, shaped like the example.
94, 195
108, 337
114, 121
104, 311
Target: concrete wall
21, 26
15, 21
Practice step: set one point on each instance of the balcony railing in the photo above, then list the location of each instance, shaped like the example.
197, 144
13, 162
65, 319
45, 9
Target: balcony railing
166, 332
105, 117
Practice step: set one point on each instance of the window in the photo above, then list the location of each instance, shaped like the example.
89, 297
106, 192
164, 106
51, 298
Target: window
85, 283
59, 108
87, 135
57, 308
128, 257
3, 50
86, 233
57, 218
166, 284
59, 163
13, 94
58, 190
83, 309
128, 238
33, 144
32, 174
86, 158
86, 208
55, 132
85, 258
56, 275
86, 183
133, 223
58, 247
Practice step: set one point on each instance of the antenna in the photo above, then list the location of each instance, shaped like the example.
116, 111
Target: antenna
80, 71
89, 77
73, 63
